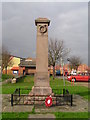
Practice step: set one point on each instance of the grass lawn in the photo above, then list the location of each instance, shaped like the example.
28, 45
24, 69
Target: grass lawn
5, 76
28, 81
80, 90
71, 115
13, 115
25, 82
61, 115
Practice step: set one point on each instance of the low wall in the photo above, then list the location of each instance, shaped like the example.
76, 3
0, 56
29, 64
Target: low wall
10, 79
7, 81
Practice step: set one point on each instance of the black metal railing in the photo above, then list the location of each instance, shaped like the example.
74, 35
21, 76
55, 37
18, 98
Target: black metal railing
15, 95
21, 96
63, 96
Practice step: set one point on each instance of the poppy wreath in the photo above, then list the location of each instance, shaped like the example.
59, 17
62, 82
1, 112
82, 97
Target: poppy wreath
48, 101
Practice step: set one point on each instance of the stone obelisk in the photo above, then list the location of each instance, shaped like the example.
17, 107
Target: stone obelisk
41, 80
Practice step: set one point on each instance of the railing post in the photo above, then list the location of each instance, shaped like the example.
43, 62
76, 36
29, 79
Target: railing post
19, 92
63, 92
71, 100
11, 99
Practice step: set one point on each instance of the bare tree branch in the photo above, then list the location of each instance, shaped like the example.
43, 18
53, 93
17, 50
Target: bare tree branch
5, 58
75, 61
56, 51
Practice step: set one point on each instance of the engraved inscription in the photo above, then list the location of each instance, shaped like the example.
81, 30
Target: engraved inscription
39, 78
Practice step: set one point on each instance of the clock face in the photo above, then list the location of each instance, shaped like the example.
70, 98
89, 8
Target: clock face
43, 29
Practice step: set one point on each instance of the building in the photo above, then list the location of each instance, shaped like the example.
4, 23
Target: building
29, 64
66, 69
83, 68
13, 68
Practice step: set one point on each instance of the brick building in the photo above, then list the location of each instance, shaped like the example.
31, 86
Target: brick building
29, 64
14, 68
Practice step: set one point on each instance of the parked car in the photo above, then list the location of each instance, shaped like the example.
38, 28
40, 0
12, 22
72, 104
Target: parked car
58, 73
79, 77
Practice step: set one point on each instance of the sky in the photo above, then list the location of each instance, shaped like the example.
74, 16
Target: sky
68, 22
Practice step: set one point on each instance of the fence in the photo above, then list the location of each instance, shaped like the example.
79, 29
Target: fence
21, 97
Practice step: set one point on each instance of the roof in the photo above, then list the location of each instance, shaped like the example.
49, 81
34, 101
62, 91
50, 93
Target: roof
28, 62
16, 56
16, 68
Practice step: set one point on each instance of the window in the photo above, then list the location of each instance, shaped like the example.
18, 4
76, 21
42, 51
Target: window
15, 71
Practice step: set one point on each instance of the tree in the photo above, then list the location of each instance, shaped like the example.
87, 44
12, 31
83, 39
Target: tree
56, 51
6, 58
74, 61
88, 69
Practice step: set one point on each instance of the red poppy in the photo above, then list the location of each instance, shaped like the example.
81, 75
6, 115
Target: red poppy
48, 101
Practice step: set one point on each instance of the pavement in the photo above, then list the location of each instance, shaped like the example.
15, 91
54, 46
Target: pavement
6, 105
85, 84
79, 105
41, 116
0, 83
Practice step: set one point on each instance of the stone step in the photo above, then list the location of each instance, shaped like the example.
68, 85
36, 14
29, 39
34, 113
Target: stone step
41, 116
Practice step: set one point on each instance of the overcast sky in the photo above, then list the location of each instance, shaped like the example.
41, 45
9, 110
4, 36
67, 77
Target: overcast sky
69, 22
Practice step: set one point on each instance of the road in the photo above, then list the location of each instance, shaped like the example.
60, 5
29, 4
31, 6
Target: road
85, 84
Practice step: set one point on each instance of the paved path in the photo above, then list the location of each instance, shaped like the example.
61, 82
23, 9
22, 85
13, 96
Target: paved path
85, 84
79, 105
6, 105
41, 116
0, 83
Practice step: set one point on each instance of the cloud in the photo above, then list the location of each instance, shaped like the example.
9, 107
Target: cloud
69, 21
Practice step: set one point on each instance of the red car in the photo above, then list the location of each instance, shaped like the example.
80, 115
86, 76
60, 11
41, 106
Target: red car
79, 78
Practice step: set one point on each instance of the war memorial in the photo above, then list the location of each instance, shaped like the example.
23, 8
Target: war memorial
41, 93
41, 80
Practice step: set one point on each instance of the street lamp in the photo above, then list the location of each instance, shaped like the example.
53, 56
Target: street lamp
68, 59
62, 63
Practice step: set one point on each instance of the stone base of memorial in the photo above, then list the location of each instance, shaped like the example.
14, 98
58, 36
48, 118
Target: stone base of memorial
41, 84
38, 100
41, 89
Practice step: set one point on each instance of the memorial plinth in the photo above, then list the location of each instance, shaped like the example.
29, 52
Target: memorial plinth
41, 79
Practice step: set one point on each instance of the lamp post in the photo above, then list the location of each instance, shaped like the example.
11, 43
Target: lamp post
62, 63
68, 63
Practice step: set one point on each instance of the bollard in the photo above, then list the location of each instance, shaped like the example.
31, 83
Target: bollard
11, 99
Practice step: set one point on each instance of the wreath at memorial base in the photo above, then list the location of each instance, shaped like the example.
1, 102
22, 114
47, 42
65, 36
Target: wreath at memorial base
48, 101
